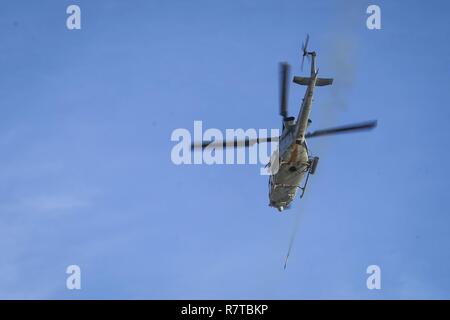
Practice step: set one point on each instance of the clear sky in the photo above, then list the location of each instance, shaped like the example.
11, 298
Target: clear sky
86, 176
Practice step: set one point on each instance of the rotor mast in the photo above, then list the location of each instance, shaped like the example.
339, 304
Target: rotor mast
313, 62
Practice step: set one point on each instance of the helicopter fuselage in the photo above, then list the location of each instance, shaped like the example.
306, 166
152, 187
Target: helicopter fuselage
293, 164
294, 160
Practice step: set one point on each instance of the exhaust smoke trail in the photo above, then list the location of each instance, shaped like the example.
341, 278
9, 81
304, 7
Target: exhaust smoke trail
292, 239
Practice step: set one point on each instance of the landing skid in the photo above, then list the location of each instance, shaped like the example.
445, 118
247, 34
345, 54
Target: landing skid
311, 169
304, 186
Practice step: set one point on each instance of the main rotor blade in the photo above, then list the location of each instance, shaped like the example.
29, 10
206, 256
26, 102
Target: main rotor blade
232, 144
343, 129
284, 78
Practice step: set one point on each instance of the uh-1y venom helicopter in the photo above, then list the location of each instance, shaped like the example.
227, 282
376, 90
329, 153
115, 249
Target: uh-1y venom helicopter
292, 159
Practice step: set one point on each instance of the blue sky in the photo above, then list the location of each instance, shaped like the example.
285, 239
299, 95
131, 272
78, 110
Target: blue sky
86, 176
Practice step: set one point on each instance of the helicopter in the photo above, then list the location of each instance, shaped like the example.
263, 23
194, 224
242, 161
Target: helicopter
291, 164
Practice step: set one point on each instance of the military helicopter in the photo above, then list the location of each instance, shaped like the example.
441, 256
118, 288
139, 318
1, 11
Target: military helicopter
292, 161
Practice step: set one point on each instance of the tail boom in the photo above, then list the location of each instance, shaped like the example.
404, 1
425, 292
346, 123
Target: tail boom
305, 110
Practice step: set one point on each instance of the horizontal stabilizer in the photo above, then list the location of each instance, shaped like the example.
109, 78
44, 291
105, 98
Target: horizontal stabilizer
304, 81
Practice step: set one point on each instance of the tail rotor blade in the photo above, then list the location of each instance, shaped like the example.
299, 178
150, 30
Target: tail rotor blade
305, 50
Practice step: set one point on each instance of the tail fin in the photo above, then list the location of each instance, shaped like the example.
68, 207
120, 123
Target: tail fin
320, 81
